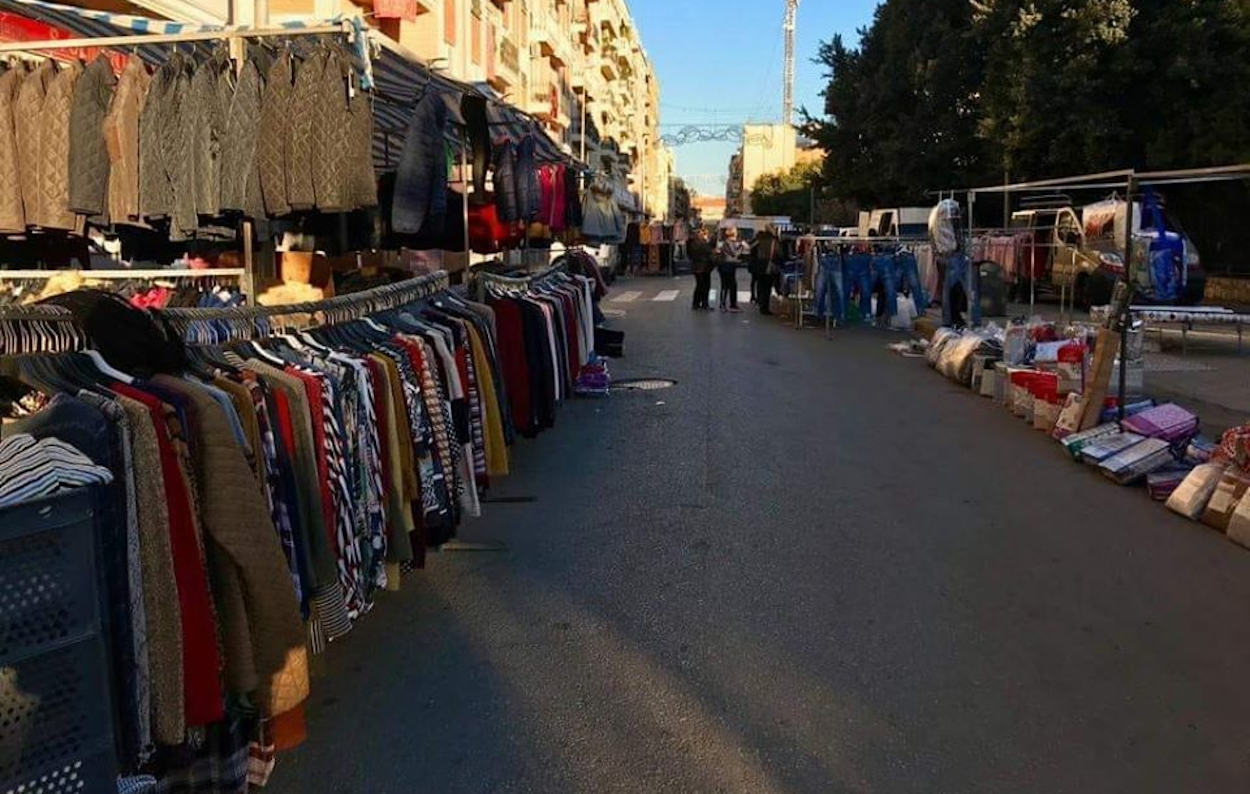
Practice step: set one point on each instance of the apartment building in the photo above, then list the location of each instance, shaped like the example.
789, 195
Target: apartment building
576, 65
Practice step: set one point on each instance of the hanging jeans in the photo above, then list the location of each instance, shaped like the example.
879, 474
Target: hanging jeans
960, 273
857, 273
908, 271
885, 272
728, 285
829, 296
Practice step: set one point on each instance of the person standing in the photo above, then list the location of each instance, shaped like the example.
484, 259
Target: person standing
765, 251
700, 252
729, 253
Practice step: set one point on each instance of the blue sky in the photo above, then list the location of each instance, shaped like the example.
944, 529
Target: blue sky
720, 61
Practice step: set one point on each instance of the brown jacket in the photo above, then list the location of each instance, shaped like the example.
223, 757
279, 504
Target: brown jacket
121, 134
261, 628
29, 110
12, 216
271, 147
54, 137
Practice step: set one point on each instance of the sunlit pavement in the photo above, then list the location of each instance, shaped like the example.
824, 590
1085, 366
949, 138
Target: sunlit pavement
811, 566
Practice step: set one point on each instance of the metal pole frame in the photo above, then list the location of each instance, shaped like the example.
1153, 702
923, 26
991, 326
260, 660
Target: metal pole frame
169, 38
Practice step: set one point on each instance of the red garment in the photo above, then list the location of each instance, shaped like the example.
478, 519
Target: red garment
313, 387
513, 362
574, 336
202, 695
552, 203
487, 234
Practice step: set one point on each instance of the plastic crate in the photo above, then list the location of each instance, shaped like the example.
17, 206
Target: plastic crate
55, 715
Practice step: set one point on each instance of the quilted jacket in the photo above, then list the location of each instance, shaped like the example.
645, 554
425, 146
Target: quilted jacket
421, 178
177, 142
302, 131
88, 152
205, 120
29, 110
331, 154
54, 136
505, 182
12, 216
272, 144
121, 135
240, 170
155, 195
528, 193
261, 629
365, 181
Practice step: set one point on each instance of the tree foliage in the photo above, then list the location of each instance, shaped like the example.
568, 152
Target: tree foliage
950, 93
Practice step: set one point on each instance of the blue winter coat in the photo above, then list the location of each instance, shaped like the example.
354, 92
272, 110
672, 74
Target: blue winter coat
421, 178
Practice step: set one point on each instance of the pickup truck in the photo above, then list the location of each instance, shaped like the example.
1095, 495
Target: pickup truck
1084, 257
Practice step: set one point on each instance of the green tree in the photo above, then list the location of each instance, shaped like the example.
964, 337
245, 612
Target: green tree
786, 193
902, 109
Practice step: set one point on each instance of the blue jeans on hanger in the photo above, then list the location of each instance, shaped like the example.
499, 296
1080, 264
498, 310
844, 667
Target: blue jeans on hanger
908, 271
829, 295
857, 272
884, 270
960, 272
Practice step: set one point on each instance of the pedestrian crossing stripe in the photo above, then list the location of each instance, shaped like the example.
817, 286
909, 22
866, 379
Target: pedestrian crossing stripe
743, 297
627, 297
667, 296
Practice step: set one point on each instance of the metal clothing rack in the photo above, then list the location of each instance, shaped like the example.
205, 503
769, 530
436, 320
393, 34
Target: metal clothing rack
122, 275
254, 321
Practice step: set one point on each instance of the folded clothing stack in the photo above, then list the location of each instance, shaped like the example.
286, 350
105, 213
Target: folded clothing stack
594, 380
1104, 448
1076, 442
1160, 484
1130, 465
1168, 422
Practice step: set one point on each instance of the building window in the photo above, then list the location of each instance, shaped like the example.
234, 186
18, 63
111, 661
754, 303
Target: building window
449, 22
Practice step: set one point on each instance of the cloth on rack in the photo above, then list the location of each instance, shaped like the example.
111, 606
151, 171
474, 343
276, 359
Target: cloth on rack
333, 181
155, 127
88, 150
421, 178
241, 188
54, 149
204, 121
572, 199
601, 217
272, 148
504, 180
31, 469
552, 200
121, 137
302, 133
473, 111
12, 215
528, 192
28, 111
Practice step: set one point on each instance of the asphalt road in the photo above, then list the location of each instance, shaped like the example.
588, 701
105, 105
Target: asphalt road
811, 566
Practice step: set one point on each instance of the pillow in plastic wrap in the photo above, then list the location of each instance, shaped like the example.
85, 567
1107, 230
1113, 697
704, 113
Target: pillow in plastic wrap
1191, 498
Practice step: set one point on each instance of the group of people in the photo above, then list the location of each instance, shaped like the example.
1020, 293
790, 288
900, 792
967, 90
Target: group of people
726, 255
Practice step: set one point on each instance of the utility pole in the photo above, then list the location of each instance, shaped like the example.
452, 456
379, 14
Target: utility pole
787, 104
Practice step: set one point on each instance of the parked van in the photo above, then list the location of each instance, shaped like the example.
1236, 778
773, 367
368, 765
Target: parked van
895, 222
